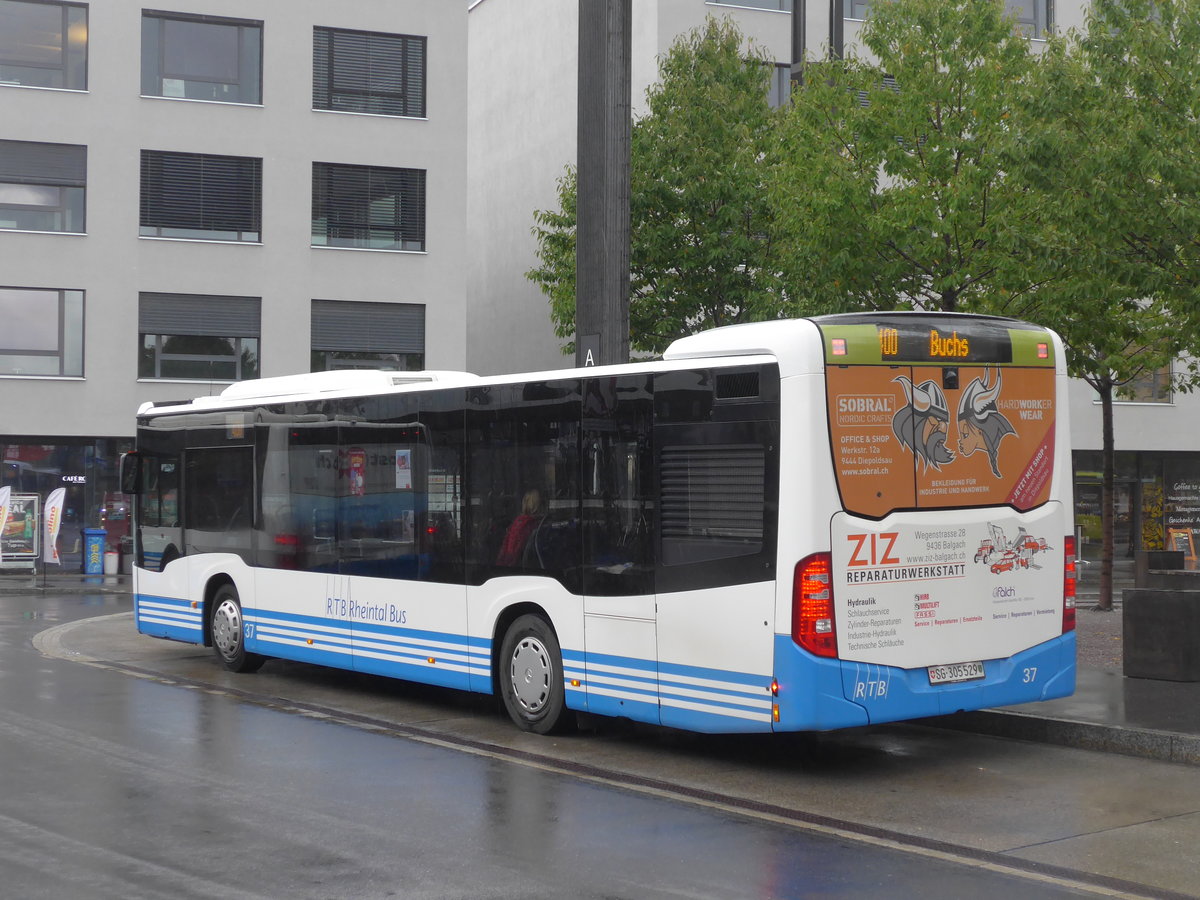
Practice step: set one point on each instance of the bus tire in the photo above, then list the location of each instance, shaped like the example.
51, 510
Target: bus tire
531, 677
228, 634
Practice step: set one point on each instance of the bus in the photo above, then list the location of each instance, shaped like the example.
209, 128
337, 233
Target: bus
796, 525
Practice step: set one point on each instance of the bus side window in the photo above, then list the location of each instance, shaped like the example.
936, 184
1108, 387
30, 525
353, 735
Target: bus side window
220, 489
159, 496
617, 488
524, 437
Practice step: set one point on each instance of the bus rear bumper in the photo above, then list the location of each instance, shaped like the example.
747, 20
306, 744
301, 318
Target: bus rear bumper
821, 694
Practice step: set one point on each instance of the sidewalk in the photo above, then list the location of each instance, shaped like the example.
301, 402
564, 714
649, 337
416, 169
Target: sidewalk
1108, 712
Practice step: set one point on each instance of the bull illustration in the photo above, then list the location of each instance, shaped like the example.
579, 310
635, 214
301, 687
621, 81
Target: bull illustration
923, 425
981, 425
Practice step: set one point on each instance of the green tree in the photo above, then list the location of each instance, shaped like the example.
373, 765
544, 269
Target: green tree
958, 171
702, 250
1108, 131
891, 187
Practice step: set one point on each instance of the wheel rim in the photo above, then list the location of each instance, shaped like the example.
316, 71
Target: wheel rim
530, 675
227, 628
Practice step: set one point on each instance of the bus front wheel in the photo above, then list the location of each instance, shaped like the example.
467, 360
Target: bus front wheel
228, 635
531, 677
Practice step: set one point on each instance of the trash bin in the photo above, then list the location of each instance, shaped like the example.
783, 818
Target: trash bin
93, 551
112, 562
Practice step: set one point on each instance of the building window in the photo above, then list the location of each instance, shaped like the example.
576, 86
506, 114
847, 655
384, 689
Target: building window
42, 332
785, 5
201, 58
1151, 386
368, 207
780, 89
201, 196
43, 44
1034, 16
42, 186
364, 72
198, 336
352, 335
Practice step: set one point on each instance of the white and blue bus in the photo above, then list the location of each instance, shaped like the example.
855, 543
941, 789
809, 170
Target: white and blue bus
796, 525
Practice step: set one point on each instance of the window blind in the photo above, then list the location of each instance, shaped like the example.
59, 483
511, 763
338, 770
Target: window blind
714, 492
366, 205
30, 162
346, 325
360, 71
199, 314
201, 192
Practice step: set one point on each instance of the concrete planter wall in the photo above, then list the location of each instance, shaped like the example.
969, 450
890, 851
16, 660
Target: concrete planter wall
1162, 633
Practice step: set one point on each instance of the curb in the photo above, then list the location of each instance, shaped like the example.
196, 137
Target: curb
1144, 743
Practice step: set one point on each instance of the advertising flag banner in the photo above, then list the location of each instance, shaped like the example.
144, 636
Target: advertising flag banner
5, 500
51, 522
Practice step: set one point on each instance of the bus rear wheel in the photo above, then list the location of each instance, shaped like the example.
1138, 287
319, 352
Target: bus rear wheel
531, 677
228, 634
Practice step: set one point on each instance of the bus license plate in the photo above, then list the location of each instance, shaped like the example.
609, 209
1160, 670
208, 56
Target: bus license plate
955, 672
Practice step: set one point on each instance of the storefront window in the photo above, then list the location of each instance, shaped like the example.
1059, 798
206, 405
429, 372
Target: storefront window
1156, 498
1182, 507
87, 469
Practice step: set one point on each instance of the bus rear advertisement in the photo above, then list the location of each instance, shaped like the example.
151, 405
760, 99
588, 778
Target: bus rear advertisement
794, 525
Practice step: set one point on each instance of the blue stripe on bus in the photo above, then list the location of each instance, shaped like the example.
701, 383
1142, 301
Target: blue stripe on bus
696, 697
394, 651
823, 694
168, 617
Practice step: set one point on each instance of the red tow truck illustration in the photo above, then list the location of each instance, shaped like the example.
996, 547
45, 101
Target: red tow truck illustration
1001, 555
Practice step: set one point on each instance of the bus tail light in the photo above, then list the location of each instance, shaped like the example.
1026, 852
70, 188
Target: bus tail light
1069, 575
813, 626
287, 551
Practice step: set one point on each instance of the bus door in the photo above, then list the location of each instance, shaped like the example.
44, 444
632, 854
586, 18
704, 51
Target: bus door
716, 442
395, 557
617, 490
159, 534
300, 596
219, 494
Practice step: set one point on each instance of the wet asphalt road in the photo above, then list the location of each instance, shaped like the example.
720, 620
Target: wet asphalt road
113, 785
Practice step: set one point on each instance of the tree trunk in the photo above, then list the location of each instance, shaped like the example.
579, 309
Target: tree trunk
1107, 497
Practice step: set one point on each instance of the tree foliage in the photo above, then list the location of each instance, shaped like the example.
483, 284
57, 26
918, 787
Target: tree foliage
960, 171
703, 251
1107, 162
891, 190
952, 170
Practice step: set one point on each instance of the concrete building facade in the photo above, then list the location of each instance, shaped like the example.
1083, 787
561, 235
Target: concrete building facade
212, 190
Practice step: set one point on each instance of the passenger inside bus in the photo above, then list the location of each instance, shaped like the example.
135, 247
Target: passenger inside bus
522, 528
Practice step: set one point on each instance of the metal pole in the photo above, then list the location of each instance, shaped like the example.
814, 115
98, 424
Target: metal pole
799, 40
837, 21
602, 227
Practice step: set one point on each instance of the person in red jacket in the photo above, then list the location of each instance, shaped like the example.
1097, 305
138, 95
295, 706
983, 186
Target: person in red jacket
519, 531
